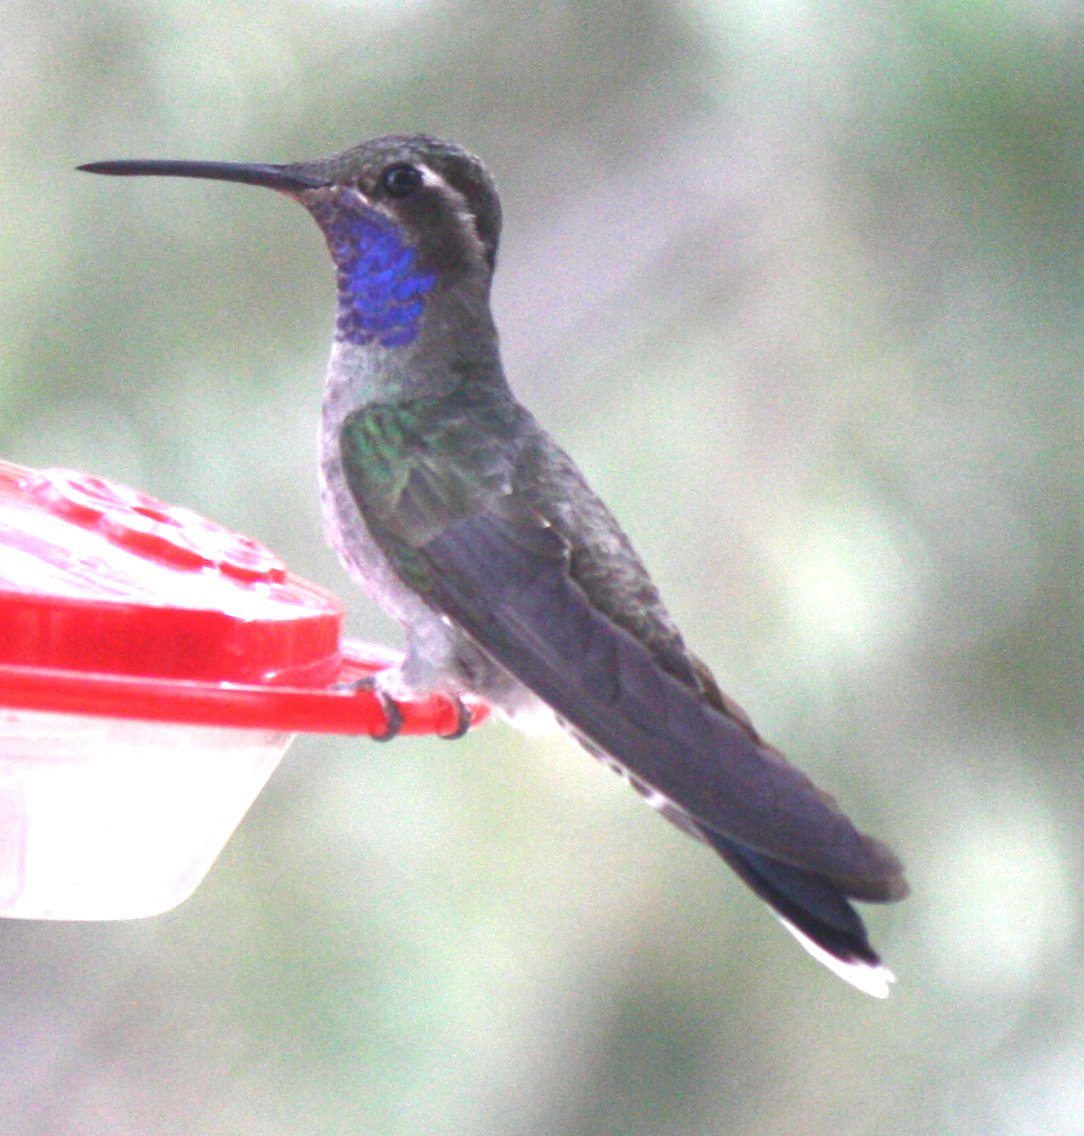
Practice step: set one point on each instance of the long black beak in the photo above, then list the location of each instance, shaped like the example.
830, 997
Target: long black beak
289, 179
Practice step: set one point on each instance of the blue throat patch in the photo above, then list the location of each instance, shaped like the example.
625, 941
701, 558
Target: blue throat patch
381, 289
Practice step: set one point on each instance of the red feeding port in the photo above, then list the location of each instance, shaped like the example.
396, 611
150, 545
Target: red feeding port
153, 668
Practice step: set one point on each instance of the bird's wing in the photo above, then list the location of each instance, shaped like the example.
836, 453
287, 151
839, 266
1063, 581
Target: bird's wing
438, 499
507, 585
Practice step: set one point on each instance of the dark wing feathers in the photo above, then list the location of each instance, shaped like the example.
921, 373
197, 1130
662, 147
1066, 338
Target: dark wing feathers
506, 585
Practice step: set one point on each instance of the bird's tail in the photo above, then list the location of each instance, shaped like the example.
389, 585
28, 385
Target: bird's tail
814, 909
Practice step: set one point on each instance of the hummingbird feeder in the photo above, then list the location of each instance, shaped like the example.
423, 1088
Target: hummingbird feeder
154, 667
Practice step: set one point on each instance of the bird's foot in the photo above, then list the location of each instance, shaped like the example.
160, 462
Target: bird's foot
393, 716
464, 719
377, 685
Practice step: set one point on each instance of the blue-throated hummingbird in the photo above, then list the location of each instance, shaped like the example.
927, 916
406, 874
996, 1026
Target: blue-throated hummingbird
452, 508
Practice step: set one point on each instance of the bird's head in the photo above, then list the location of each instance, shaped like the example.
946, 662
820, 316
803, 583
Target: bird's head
405, 217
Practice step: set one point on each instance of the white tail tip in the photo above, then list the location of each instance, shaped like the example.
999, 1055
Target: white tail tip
871, 978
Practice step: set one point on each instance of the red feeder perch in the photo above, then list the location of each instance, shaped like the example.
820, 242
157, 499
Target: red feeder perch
154, 667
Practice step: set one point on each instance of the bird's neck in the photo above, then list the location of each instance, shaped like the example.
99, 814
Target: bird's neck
455, 347
404, 329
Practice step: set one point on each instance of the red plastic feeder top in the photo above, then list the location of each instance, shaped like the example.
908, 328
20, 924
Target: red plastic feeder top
114, 603
153, 666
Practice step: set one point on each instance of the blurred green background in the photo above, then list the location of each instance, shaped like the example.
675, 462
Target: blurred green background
800, 286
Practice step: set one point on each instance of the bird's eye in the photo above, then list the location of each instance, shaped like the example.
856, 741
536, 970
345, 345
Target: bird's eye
401, 181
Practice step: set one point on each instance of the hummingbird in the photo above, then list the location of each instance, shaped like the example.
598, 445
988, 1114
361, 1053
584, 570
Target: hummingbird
451, 506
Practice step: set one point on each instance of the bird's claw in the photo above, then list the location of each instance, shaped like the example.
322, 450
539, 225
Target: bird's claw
464, 719
393, 716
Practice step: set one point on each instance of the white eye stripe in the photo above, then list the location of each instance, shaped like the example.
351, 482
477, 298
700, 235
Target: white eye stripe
467, 221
